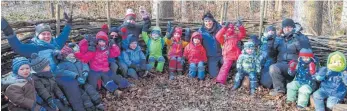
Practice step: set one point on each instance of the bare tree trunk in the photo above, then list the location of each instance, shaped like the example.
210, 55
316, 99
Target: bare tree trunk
299, 13
343, 23
108, 14
57, 18
52, 9
309, 15
279, 8
162, 9
184, 11
261, 17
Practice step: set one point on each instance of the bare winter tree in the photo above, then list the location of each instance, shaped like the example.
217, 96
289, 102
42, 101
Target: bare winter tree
165, 9
343, 22
309, 15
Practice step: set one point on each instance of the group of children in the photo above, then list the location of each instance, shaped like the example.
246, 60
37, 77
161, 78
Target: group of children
67, 76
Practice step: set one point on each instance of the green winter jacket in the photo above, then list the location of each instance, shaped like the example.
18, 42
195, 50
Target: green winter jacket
155, 47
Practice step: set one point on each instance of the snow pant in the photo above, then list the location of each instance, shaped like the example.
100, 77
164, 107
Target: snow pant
59, 104
160, 60
224, 71
252, 79
213, 63
280, 76
304, 90
127, 71
70, 87
119, 80
332, 99
197, 68
175, 65
107, 82
265, 78
90, 96
114, 67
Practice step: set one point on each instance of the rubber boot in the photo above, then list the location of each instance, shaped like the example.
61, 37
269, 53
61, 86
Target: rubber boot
201, 75
238, 80
160, 66
172, 76
110, 86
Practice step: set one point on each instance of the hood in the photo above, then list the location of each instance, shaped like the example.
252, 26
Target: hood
156, 30
131, 38
336, 57
248, 45
196, 35
179, 31
102, 35
230, 30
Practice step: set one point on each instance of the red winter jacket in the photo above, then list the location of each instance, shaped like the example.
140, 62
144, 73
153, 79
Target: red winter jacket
195, 53
229, 39
98, 60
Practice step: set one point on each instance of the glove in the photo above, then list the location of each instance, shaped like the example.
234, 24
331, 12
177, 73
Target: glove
312, 68
238, 23
74, 47
64, 100
169, 30
187, 34
292, 65
111, 43
227, 24
51, 103
56, 54
67, 18
144, 14
298, 28
81, 80
6, 28
85, 74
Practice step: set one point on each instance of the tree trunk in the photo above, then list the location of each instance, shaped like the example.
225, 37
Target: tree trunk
309, 15
279, 8
165, 9
343, 22
184, 11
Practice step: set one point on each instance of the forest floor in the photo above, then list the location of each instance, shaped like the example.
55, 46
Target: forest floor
185, 94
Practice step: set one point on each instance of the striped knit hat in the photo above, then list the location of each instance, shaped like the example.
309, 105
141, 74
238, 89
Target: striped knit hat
38, 63
17, 62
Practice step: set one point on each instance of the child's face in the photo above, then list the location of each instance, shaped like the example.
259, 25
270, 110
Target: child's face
114, 35
249, 51
270, 32
132, 21
71, 57
176, 35
24, 70
305, 59
101, 43
47, 68
133, 45
196, 41
155, 35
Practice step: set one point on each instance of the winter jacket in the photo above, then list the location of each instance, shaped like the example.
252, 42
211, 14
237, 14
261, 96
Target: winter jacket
70, 69
209, 40
130, 56
332, 80
267, 46
155, 47
21, 94
248, 62
287, 48
36, 45
99, 59
46, 86
126, 29
302, 74
195, 53
231, 51
175, 48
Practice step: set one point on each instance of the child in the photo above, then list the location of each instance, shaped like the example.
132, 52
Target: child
21, 90
84, 93
227, 37
303, 82
45, 85
267, 55
132, 60
98, 60
196, 55
333, 82
247, 64
175, 49
155, 44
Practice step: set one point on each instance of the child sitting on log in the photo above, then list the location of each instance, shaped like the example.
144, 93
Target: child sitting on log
303, 82
248, 64
196, 55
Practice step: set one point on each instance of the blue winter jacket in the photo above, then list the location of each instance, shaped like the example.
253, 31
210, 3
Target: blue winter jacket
288, 47
209, 41
132, 56
36, 45
333, 82
70, 69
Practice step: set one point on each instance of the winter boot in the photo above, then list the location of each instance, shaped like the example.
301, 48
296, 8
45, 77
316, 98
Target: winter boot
201, 75
100, 107
172, 76
160, 66
132, 73
237, 84
110, 86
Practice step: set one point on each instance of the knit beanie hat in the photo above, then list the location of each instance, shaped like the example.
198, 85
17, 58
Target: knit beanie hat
270, 28
208, 15
288, 22
130, 14
17, 62
66, 50
102, 36
38, 63
178, 30
41, 28
306, 52
249, 45
114, 29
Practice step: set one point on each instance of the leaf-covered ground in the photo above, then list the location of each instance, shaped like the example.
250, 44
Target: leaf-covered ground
185, 94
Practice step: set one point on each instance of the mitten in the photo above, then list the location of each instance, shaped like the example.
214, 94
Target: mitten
67, 18
51, 103
6, 28
312, 68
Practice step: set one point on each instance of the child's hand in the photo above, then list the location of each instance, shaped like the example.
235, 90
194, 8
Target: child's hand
292, 65
312, 68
